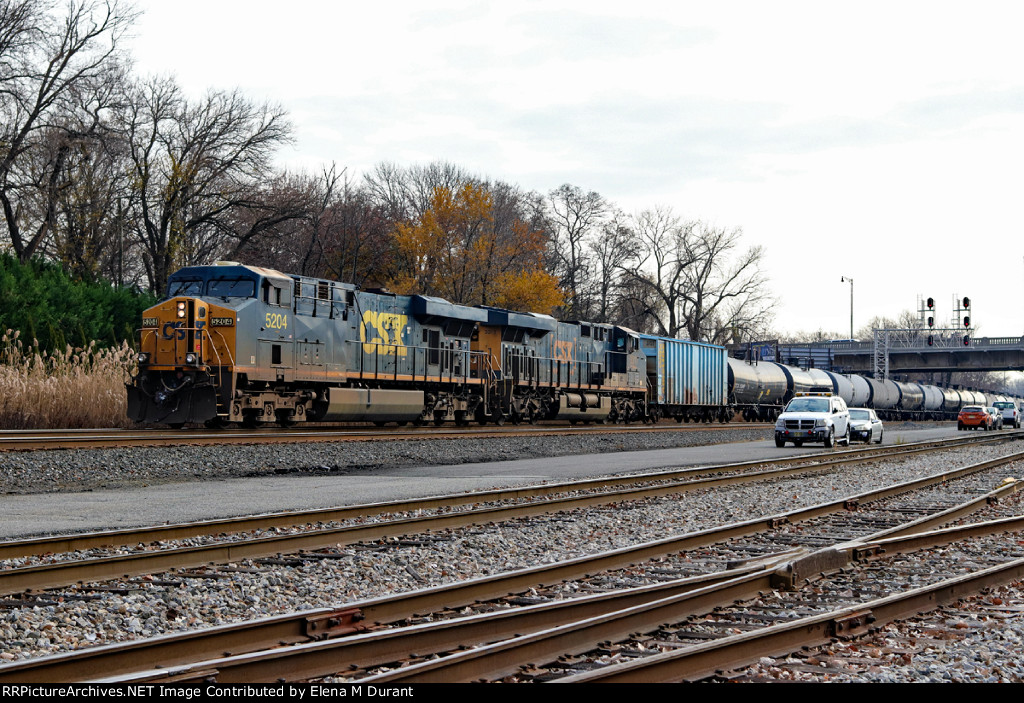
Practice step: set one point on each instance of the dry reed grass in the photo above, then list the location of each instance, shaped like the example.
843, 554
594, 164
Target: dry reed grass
70, 389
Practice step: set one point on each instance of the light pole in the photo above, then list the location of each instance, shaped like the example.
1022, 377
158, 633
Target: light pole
844, 279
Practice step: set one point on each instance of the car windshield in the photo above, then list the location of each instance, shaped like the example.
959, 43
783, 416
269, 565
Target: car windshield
808, 405
860, 414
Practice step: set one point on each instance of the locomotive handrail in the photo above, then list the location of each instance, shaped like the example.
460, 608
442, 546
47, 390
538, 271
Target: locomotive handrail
445, 372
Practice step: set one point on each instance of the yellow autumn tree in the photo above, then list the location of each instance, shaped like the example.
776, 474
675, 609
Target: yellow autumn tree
456, 252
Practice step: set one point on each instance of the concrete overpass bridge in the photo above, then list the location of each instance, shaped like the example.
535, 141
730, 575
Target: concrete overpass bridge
906, 353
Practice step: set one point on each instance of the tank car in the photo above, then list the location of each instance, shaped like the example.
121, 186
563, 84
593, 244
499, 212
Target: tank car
758, 390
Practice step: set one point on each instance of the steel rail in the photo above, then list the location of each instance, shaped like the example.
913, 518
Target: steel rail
354, 617
152, 659
701, 661
502, 641
63, 573
12, 549
31, 440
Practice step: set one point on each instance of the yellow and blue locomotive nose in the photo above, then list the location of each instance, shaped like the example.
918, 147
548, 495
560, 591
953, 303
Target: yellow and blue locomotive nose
174, 384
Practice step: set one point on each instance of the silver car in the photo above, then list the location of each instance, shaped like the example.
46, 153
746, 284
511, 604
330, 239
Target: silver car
865, 425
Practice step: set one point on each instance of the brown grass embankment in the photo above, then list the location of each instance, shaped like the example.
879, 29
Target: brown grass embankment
70, 389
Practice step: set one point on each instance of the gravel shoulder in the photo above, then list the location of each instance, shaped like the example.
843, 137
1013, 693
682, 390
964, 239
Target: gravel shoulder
110, 469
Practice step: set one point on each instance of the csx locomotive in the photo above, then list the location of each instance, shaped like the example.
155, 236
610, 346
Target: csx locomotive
234, 343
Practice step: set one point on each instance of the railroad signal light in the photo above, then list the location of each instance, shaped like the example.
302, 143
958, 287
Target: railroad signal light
931, 340
931, 303
967, 321
967, 302
931, 321
967, 340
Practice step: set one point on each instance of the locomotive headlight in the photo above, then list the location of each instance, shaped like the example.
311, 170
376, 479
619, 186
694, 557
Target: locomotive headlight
190, 358
143, 357
181, 309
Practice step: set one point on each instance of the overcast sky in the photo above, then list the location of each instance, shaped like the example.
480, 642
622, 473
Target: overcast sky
882, 141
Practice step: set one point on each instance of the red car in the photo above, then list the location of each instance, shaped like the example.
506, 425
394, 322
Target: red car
973, 417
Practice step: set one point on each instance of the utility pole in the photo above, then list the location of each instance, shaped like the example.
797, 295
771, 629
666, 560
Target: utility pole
844, 279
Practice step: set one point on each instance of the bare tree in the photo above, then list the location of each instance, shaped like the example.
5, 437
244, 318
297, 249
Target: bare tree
724, 296
659, 262
196, 170
407, 193
575, 216
609, 253
56, 72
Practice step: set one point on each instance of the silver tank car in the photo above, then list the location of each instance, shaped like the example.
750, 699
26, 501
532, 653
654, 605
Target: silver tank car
885, 396
911, 397
799, 380
843, 387
932, 401
862, 392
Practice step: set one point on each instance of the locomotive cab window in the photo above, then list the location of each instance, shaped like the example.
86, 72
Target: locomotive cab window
271, 294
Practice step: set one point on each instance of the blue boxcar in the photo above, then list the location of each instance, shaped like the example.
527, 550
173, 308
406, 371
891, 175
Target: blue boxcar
687, 380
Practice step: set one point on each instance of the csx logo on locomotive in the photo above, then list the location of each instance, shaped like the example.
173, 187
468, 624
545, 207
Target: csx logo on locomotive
177, 329
382, 332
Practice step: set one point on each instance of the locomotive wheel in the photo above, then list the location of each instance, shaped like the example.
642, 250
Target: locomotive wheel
216, 423
438, 420
499, 419
251, 421
532, 416
175, 425
460, 418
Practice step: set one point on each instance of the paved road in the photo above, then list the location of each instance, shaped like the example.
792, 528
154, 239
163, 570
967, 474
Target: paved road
54, 513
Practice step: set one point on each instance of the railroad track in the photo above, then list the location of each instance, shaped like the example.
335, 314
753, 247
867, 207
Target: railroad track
30, 440
349, 525
358, 617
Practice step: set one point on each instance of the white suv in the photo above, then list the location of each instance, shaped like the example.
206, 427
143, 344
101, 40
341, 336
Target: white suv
1010, 413
813, 418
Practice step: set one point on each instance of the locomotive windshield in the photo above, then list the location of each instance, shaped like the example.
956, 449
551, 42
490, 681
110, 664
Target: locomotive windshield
190, 286
216, 288
231, 288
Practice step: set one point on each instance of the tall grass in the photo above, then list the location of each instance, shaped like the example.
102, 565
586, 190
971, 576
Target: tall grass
70, 389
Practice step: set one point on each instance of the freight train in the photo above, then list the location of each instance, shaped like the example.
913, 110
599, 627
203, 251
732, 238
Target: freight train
240, 344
